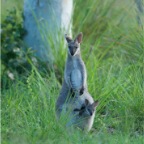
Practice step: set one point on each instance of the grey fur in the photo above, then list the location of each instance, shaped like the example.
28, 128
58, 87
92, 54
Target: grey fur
75, 71
83, 117
75, 78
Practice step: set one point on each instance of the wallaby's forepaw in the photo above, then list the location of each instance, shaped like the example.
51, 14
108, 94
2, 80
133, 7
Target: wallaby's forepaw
81, 90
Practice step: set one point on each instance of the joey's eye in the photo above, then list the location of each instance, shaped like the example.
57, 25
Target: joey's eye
76, 47
76, 110
83, 107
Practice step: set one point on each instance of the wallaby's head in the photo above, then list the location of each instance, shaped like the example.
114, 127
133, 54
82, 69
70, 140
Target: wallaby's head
87, 109
74, 45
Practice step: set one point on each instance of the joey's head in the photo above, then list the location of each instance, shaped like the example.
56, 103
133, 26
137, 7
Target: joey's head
74, 45
87, 109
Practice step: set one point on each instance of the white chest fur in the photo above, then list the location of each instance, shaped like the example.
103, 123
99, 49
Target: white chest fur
76, 76
75, 64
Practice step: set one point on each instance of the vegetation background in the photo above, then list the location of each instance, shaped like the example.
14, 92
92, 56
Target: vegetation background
113, 51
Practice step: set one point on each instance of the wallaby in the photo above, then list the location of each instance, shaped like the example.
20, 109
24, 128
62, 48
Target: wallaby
79, 109
86, 109
84, 117
75, 72
82, 111
75, 78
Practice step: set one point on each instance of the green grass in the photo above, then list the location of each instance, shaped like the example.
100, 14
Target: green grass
7, 5
113, 51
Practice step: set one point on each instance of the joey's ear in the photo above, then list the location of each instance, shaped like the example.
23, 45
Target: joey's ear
95, 104
79, 37
86, 102
68, 39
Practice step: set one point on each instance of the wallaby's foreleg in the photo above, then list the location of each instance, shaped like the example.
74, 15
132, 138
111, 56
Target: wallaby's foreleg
69, 82
72, 93
81, 90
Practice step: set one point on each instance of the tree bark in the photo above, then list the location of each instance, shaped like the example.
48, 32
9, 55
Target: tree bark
46, 21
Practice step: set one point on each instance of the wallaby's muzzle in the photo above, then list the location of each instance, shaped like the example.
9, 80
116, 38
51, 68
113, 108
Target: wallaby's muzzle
72, 50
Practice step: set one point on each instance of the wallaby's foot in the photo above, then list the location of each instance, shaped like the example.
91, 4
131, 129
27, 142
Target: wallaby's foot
72, 93
81, 90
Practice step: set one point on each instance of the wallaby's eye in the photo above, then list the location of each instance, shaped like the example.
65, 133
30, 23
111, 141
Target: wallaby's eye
76, 47
83, 107
90, 111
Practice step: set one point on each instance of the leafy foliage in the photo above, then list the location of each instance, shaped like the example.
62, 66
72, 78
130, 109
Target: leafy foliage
14, 59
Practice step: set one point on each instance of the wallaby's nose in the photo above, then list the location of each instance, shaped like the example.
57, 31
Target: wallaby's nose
71, 51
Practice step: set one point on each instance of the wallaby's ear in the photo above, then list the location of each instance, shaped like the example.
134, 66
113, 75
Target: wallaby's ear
79, 37
68, 39
95, 104
86, 102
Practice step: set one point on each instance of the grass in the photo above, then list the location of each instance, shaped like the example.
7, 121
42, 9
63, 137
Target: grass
113, 51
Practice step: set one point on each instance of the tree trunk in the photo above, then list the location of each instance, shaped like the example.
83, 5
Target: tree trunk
140, 12
46, 21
